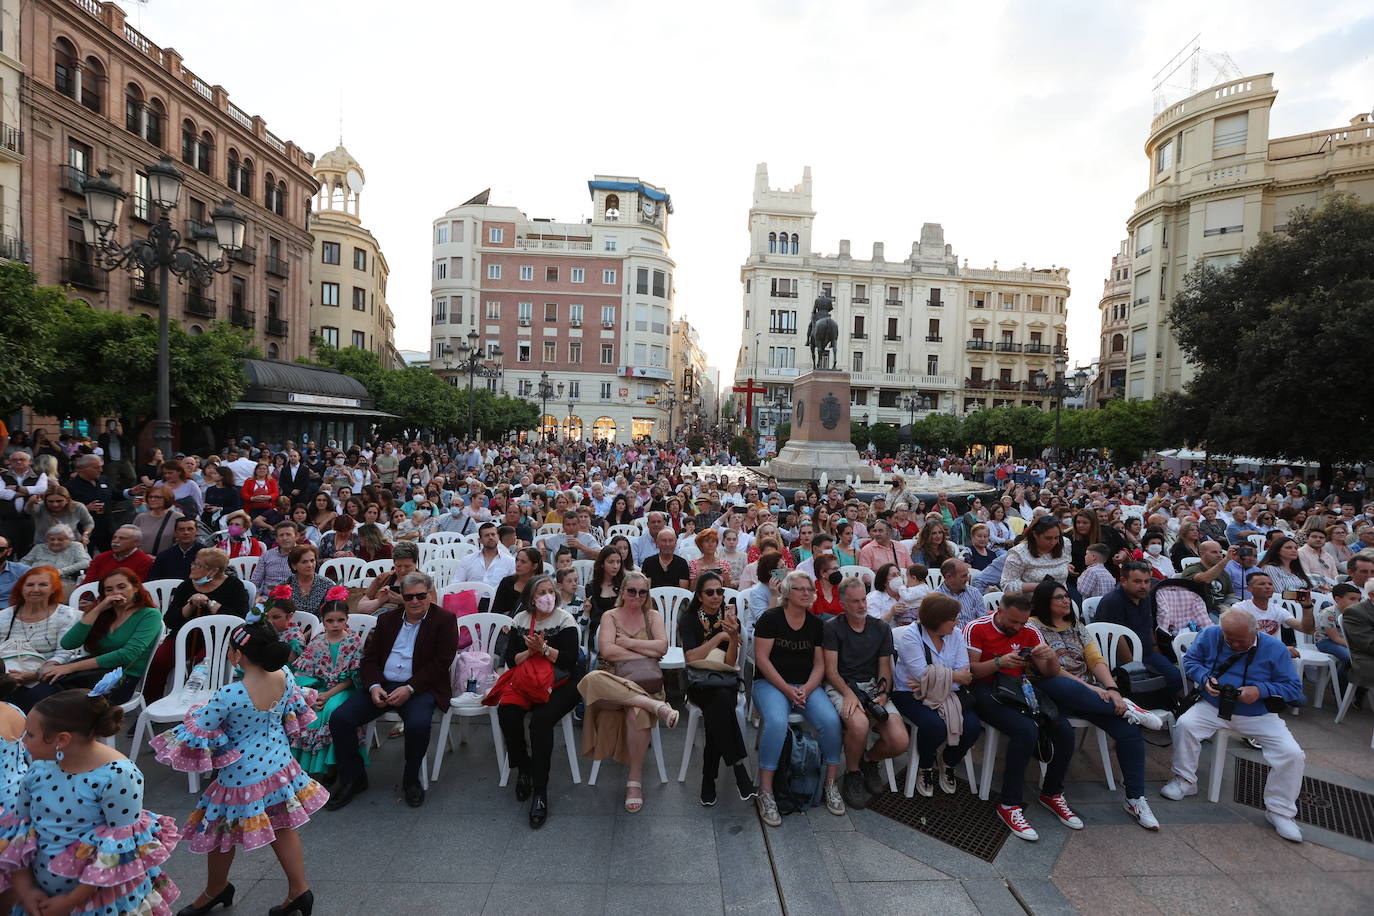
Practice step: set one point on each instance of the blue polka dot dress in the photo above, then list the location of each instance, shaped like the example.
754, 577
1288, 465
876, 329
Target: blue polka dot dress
14, 763
90, 828
260, 788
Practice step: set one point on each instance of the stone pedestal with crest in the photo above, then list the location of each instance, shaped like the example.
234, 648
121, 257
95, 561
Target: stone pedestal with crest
820, 431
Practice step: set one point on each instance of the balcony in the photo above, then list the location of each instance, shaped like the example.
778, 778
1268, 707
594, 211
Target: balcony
893, 337
978, 344
141, 289
83, 273
1039, 348
858, 335
783, 294
859, 300
935, 303
278, 267
241, 317
934, 338
978, 384
246, 255
72, 179
199, 305
782, 330
1006, 346
11, 249
11, 143
896, 302
277, 327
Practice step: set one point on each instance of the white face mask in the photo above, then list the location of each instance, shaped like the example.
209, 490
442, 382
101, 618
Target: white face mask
1155, 549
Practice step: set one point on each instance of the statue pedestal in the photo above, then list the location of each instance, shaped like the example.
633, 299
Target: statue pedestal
820, 431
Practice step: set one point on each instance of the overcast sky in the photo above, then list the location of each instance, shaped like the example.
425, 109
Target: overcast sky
1018, 126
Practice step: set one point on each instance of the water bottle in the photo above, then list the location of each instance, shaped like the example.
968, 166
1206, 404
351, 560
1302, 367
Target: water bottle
1192, 626
1032, 701
196, 682
471, 685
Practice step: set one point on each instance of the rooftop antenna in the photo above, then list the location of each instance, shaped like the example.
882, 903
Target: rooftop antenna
1181, 76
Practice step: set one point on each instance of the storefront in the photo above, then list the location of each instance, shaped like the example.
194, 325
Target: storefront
301, 403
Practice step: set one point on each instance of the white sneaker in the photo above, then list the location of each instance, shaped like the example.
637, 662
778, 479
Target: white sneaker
1285, 826
1142, 717
834, 801
768, 810
1178, 788
1139, 809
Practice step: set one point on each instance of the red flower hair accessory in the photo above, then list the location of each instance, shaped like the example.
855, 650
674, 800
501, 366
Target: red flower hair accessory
281, 592
337, 593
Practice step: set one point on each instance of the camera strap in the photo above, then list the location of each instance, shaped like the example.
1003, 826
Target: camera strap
1248, 655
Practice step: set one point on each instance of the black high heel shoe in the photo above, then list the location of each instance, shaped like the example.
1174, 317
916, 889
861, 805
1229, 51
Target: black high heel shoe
224, 898
302, 904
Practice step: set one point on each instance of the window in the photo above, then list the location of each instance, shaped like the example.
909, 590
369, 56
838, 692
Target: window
641, 317
642, 281
458, 231
608, 316
782, 321
574, 390
456, 309
493, 310
859, 327
1118, 343
640, 355
522, 351
935, 301
861, 292
612, 243
143, 204
575, 352
329, 294
550, 274
359, 259
977, 333
828, 290
894, 295
796, 243
1142, 288
608, 277
1139, 343
524, 311
440, 311
525, 387
550, 351
441, 269
64, 66
330, 336
1230, 131
659, 325
782, 357
493, 271
550, 311
575, 314
579, 274
607, 354
526, 271
660, 284
329, 252
933, 330
932, 364
784, 288
658, 356
238, 293
858, 363
441, 235
360, 340
891, 362
1144, 237
1225, 216
273, 303
1164, 158
772, 243
359, 299
892, 329
605, 391
496, 235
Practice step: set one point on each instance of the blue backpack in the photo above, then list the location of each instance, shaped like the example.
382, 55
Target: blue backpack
799, 781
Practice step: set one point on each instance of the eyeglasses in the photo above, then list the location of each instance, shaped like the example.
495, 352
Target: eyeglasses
637, 592
1060, 597
713, 591
418, 596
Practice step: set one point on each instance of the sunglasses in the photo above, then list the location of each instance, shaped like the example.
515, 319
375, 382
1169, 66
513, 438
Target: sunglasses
418, 596
713, 591
638, 592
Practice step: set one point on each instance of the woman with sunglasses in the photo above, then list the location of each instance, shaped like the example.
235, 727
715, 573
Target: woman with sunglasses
1041, 551
708, 632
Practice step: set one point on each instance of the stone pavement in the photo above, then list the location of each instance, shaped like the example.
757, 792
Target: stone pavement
469, 849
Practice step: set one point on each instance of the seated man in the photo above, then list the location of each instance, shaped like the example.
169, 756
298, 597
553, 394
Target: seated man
380, 593
1212, 572
123, 552
1270, 614
1237, 655
491, 563
175, 561
273, 569
883, 549
405, 668
858, 654
1131, 606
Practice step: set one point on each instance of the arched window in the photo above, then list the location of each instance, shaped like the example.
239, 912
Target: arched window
1118, 343
188, 142
548, 426
279, 199
246, 178
93, 85
155, 115
205, 151
603, 430
269, 189
64, 67
133, 109
572, 429
197, 330
273, 352
772, 243
231, 170
795, 243
612, 207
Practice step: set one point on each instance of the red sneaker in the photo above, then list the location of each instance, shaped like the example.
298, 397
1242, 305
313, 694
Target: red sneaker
1062, 811
1015, 819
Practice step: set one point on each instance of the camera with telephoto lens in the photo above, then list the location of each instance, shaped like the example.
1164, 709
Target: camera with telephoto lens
868, 699
1228, 694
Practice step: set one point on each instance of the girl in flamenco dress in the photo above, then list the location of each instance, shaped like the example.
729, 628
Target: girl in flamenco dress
14, 763
79, 840
261, 795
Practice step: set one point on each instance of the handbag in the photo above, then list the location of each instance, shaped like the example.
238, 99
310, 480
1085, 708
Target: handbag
643, 671
1007, 691
712, 671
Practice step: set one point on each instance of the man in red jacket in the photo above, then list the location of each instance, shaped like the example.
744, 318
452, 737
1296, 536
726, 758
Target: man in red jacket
124, 552
405, 669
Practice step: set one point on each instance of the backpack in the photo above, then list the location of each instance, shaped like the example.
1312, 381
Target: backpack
799, 781
472, 664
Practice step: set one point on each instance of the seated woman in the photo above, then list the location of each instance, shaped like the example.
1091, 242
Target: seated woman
330, 665
932, 664
238, 540
545, 629
765, 593
31, 631
209, 590
1085, 689
62, 551
372, 543
608, 575
885, 601
981, 552
789, 669
342, 541
709, 634
621, 710
120, 630
707, 542
528, 564
307, 588
828, 581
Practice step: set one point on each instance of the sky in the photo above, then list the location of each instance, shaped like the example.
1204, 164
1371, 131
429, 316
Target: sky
1019, 126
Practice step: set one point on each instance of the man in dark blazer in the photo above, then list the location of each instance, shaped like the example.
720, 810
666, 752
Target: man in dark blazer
405, 669
294, 479
89, 486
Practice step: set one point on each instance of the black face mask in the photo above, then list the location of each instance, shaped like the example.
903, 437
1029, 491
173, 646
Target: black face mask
835, 578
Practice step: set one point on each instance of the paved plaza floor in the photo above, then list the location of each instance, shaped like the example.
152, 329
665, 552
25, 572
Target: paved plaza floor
469, 849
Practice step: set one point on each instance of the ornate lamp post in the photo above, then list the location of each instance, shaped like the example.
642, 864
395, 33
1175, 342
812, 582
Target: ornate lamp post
546, 391
471, 358
670, 401
912, 403
572, 403
162, 250
1058, 390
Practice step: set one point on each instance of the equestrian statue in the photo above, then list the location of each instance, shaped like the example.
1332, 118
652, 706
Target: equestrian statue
823, 333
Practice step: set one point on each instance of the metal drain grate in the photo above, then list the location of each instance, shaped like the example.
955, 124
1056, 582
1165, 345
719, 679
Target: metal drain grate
962, 820
1320, 803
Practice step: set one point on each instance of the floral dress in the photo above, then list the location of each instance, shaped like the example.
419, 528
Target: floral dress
322, 666
260, 788
91, 828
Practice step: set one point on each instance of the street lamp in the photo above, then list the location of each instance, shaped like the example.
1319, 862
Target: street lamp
572, 402
912, 403
546, 391
1058, 390
471, 357
162, 250
669, 402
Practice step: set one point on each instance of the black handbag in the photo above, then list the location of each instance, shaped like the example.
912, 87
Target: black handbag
1007, 691
709, 678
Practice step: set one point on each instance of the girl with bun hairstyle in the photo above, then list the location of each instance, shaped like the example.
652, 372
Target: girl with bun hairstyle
78, 840
330, 664
260, 795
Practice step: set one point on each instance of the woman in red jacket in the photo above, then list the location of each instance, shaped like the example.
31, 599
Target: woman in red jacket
260, 492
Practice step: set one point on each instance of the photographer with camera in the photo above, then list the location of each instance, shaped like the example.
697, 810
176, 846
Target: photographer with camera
1245, 677
858, 680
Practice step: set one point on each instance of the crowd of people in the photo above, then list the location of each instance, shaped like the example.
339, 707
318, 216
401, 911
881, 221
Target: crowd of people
879, 619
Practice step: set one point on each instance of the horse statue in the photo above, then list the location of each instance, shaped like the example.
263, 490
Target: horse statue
823, 333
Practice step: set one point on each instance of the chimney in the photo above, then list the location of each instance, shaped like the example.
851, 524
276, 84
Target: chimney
877, 251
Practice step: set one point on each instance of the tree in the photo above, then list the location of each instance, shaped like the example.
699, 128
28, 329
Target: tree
363, 365
1127, 428
884, 437
33, 316
421, 399
940, 431
1280, 342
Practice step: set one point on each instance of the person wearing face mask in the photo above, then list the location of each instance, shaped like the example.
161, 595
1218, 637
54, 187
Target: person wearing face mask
1153, 546
238, 542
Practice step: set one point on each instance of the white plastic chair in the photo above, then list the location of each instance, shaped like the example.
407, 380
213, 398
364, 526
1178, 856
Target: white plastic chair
1090, 608
443, 537
136, 702
482, 589
630, 531
992, 601
934, 578
344, 570
310, 625
251, 591
733, 596
584, 574
442, 569
863, 572
362, 625
161, 591
171, 709
1309, 656
550, 529
1181, 643
374, 569
1188, 561
483, 629
243, 567
911, 760
1256, 541
90, 588
668, 601
1108, 634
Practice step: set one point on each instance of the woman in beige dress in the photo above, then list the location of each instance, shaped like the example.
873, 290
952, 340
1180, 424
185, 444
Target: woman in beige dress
620, 713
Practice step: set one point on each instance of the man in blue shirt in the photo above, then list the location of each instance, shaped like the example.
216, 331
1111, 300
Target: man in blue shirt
1236, 654
1132, 607
10, 571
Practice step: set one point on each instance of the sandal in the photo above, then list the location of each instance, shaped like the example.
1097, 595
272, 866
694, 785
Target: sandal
633, 805
670, 717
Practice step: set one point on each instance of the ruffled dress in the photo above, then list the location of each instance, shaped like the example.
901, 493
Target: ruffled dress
14, 762
90, 828
322, 666
260, 788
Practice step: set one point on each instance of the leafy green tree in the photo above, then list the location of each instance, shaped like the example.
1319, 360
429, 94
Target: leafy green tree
884, 437
421, 399
940, 431
364, 365
1280, 342
1127, 428
33, 316
743, 449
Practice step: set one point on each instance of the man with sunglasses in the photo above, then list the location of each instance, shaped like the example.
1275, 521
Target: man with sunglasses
405, 668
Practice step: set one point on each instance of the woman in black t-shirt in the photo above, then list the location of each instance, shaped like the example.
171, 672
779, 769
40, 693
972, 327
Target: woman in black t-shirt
704, 627
790, 668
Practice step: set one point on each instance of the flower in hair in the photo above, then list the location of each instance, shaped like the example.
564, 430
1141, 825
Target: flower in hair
107, 683
281, 592
337, 593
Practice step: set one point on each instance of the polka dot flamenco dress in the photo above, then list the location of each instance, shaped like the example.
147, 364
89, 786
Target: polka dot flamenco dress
90, 828
260, 788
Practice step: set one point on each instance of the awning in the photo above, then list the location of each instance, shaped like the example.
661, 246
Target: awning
636, 186
266, 407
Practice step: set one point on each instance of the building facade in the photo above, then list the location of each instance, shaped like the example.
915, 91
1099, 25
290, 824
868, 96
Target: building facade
12, 154
99, 95
589, 303
946, 336
1216, 184
1109, 380
348, 271
694, 382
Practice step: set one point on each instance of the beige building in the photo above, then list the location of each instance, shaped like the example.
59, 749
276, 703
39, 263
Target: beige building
1110, 367
348, 272
925, 328
694, 383
1217, 182
11, 134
